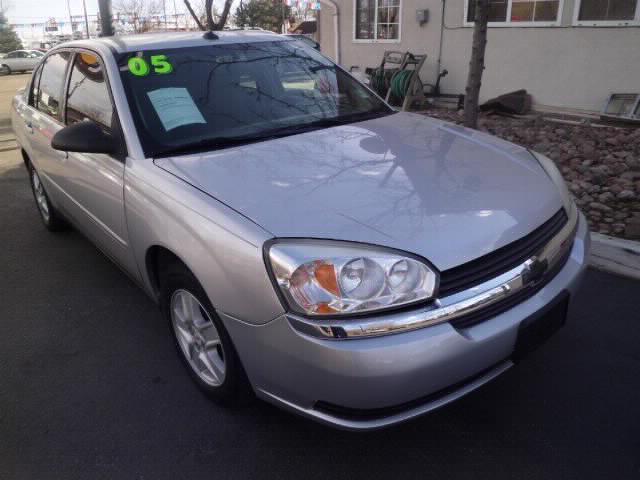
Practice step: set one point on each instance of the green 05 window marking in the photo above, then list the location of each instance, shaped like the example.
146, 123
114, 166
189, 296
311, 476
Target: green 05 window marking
139, 67
161, 64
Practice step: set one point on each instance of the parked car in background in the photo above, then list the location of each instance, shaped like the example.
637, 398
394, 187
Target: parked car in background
344, 261
20, 61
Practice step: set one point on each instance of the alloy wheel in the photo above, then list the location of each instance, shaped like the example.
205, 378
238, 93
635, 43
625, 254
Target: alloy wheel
198, 337
41, 197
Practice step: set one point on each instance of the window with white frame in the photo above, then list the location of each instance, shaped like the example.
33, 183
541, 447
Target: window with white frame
377, 20
608, 11
519, 11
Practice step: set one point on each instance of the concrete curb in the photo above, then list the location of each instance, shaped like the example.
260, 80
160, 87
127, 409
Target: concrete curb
615, 255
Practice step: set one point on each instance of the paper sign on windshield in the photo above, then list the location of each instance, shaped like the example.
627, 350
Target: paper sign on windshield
175, 107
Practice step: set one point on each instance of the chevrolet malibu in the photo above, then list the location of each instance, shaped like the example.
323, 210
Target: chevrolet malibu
304, 241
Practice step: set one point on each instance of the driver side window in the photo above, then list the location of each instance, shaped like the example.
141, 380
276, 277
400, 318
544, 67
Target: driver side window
88, 94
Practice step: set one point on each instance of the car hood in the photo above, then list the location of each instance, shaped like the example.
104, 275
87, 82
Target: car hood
405, 181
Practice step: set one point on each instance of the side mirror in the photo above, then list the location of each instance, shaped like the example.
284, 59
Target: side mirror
84, 137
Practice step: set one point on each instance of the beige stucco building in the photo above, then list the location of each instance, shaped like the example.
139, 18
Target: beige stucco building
566, 53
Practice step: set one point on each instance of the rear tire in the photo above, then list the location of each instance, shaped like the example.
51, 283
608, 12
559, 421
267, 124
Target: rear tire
5, 70
201, 339
50, 217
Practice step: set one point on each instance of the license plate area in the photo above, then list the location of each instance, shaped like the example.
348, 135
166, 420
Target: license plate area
539, 327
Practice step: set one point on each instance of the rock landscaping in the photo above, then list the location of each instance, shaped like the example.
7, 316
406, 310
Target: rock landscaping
601, 164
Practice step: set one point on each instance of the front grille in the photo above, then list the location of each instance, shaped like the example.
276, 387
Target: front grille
513, 300
500, 261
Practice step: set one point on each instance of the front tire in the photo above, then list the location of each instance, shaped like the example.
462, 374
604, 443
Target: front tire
5, 70
201, 339
50, 217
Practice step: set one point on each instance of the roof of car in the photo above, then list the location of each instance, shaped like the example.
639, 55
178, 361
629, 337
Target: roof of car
155, 41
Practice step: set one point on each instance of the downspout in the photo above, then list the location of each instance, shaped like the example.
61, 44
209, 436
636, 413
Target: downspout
336, 26
441, 38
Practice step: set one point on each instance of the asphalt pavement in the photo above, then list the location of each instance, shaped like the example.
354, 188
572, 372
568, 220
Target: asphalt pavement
91, 387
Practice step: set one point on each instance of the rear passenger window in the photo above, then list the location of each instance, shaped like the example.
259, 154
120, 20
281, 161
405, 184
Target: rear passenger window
88, 96
51, 81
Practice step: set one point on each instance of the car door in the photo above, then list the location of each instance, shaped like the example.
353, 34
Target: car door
23, 123
44, 120
23, 58
94, 183
21, 61
12, 60
31, 60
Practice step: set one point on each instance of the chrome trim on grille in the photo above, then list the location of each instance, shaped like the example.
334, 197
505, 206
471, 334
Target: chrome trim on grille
526, 275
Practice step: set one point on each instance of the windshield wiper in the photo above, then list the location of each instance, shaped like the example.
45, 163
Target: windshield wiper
317, 68
217, 143
206, 144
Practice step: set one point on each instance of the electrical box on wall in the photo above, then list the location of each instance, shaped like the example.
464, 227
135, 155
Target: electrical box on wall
422, 16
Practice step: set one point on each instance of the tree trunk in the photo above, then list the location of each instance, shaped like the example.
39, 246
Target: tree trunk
476, 65
208, 7
193, 14
225, 13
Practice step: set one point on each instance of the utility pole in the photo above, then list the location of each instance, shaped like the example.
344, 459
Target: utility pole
175, 14
106, 18
86, 19
70, 18
164, 12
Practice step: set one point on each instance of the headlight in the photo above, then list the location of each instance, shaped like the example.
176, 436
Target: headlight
556, 177
333, 278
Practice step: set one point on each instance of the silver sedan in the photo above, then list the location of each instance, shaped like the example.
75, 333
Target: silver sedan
20, 61
304, 241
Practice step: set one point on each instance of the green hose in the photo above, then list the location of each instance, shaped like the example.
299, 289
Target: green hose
396, 80
379, 82
400, 83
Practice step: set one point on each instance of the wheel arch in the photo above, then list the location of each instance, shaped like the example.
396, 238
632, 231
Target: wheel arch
25, 158
157, 259
168, 220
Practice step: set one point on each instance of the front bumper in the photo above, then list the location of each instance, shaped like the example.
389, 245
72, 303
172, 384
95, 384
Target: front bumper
397, 376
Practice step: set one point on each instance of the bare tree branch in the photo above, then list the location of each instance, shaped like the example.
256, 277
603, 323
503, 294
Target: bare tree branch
193, 14
140, 10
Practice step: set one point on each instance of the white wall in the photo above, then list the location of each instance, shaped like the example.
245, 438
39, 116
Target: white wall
565, 66
325, 33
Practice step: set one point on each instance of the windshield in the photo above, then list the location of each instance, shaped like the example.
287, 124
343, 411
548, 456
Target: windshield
208, 97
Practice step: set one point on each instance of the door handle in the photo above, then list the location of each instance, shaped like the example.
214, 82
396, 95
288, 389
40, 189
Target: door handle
29, 127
